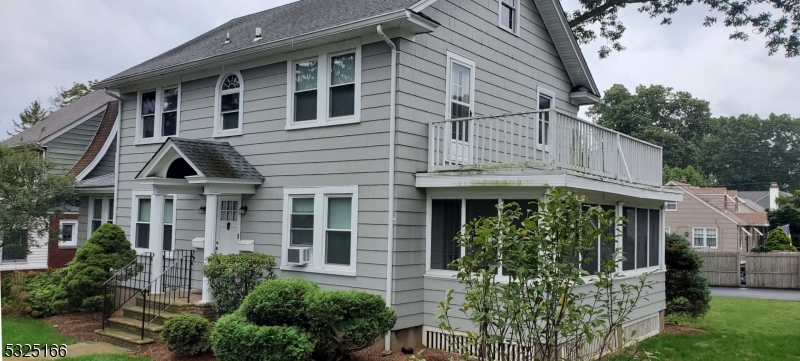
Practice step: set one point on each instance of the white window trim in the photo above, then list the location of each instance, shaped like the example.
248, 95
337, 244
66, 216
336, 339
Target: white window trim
705, 237
74, 223
514, 31
666, 206
667, 230
547, 92
103, 216
135, 196
323, 56
218, 132
464, 61
320, 195
16, 261
157, 123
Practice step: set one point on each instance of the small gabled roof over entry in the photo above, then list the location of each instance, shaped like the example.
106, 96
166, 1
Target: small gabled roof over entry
199, 162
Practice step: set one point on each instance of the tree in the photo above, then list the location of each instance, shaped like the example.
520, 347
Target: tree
64, 96
780, 27
657, 114
692, 175
30, 193
749, 153
788, 212
777, 240
33, 114
686, 288
542, 303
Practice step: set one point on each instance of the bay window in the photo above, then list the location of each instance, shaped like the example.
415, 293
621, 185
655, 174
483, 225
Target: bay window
158, 114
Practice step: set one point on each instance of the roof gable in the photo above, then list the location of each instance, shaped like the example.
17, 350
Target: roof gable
208, 159
750, 219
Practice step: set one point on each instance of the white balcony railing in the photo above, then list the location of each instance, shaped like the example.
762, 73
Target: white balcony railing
548, 138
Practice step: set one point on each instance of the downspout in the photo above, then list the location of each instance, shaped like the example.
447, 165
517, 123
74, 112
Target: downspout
118, 125
390, 232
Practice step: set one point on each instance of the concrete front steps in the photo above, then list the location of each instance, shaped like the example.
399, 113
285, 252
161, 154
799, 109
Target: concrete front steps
126, 331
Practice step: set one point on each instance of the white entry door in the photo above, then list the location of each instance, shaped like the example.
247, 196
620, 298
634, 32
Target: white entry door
228, 225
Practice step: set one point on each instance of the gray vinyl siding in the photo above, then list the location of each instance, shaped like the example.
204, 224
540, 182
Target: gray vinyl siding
353, 154
66, 149
508, 71
106, 164
83, 221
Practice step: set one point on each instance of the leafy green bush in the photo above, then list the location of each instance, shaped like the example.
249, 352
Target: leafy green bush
30, 294
105, 250
278, 302
232, 276
777, 240
687, 290
187, 334
235, 339
344, 322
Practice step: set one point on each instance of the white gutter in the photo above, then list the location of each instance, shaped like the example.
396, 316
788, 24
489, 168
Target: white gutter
390, 232
118, 126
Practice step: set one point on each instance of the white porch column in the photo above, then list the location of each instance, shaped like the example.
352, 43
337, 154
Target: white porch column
157, 239
211, 237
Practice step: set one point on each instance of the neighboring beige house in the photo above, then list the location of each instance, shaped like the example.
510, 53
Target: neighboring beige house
715, 218
764, 200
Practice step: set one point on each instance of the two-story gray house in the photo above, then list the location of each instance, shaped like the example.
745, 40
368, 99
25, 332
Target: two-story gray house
352, 139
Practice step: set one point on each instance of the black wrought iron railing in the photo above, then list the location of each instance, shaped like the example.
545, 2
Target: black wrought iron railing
126, 283
175, 283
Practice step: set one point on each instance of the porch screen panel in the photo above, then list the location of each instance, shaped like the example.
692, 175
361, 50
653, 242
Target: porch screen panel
655, 237
642, 232
608, 245
589, 260
445, 224
629, 239
526, 207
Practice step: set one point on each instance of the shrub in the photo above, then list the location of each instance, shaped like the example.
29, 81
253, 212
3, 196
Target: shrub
687, 290
344, 322
187, 334
15, 296
30, 294
777, 240
232, 276
235, 339
41, 289
106, 249
278, 302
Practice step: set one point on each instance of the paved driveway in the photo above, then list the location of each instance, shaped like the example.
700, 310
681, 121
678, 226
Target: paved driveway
762, 293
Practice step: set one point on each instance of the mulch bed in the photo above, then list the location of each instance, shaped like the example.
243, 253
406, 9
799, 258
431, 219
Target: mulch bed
673, 329
81, 326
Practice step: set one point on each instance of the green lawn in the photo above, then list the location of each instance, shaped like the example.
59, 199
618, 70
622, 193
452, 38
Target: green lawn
738, 329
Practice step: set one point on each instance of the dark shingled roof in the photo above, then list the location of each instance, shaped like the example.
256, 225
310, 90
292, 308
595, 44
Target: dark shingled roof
216, 159
282, 22
103, 181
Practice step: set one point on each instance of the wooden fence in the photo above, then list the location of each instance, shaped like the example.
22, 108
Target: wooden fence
768, 270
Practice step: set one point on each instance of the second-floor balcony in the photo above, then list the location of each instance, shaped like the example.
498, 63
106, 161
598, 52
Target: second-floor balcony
542, 139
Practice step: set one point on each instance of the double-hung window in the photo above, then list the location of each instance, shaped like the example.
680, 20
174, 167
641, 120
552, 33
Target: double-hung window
704, 237
229, 101
325, 89
101, 210
68, 232
460, 103
324, 219
15, 246
142, 221
158, 114
509, 15
545, 99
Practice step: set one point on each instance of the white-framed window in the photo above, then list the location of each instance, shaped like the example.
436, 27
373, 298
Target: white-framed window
641, 238
460, 86
326, 219
704, 237
68, 234
671, 206
15, 246
101, 210
667, 230
158, 114
141, 221
229, 105
509, 15
545, 99
324, 87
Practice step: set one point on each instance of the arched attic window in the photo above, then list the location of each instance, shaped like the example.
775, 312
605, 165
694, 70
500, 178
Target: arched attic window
180, 169
228, 115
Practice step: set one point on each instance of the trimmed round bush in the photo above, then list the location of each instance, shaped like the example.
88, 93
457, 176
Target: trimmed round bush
235, 339
278, 302
187, 334
232, 276
344, 322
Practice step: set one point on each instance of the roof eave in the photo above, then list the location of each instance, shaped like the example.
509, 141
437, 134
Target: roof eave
584, 98
403, 19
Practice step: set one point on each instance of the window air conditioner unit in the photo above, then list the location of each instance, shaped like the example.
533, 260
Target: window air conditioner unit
299, 256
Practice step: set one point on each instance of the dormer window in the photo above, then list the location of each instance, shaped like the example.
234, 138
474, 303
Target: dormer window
158, 114
509, 15
228, 116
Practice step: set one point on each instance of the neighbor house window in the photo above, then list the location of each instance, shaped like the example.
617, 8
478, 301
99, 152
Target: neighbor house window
68, 232
324, 219
671, 206
325, 89
158, 114
704, 237
545, 102
15, 246
641, 238
509, 15
142, 221
101, 210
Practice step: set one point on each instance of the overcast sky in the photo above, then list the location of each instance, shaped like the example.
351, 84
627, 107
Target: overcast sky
47, 43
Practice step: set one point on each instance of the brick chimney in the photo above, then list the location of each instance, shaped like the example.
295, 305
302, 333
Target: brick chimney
773, 196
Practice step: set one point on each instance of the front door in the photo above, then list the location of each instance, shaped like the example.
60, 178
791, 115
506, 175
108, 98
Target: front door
228, 225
